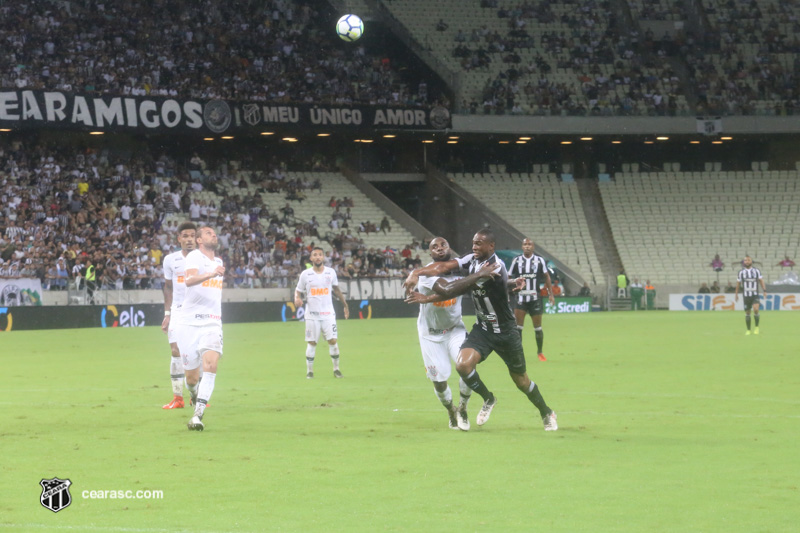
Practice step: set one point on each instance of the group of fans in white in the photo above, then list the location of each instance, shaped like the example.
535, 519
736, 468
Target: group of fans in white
193, 321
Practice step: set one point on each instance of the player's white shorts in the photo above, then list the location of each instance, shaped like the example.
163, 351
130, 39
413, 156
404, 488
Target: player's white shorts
172, 333
437, 354
327, 326
194, 341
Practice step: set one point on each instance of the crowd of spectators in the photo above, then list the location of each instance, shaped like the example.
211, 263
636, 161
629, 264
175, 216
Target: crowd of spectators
274, 50
62, 210
750, 61
586, 43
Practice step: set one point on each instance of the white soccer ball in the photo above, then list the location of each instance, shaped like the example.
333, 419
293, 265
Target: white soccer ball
350, 28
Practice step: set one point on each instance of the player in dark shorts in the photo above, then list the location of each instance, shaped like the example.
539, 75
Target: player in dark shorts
533, 269
495, 328
748, 280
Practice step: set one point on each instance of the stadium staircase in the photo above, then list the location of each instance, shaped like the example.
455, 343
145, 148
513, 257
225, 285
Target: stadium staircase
540, 206
316, 204
599, 230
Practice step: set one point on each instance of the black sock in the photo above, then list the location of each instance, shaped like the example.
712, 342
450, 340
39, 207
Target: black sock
747, 321
536, 399
539, 339
756, 317
474, 382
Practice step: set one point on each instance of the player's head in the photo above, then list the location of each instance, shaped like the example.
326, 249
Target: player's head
186, 236
483, 244
317, 256
439, 249
207, 238
527, 247
747, 261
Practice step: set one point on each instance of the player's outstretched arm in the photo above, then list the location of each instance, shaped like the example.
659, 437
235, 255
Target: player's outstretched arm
193, 276
461, 286
417, 297
434, 269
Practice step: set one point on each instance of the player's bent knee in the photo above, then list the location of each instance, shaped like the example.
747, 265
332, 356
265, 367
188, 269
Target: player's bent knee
312, 343
332, 342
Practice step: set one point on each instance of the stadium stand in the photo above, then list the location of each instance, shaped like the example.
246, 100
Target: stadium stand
750, 65
566, 58
668, 225
542, 207
277, 51
122, 212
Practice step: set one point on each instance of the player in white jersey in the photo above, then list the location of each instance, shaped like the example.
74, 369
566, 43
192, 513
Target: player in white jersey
442, 332
200, 319
317, 283
174, 290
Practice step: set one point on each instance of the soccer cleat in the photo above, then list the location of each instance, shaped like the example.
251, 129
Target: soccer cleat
747, 332
542, 357
310, 375
176, 403
195, 424
337, 374
755, 332
486, 410
550, 421
453, 418
463, 418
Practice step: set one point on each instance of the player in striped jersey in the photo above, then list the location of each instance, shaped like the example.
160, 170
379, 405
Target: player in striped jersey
533, 269
174, 291
495, 329
749, 278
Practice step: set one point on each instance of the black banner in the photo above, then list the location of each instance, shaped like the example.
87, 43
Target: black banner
140, 315
29, 109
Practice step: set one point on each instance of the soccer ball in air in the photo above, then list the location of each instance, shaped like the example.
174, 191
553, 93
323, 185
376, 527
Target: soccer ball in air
350, 28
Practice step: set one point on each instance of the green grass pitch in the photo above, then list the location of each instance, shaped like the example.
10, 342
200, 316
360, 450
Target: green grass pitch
668, 422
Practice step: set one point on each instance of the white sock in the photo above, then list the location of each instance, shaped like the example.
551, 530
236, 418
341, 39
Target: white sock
204, 392
176, 373
466, 392
446, 397
334, 351
311, 349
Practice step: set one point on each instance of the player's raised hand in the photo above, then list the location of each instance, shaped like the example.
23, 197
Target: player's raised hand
415, 298
410, 282
489, 270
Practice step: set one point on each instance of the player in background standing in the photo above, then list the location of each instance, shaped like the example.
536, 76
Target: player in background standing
441, 330
748, 279
174, 291
200, 321
533, 269
317, 283
495, 328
